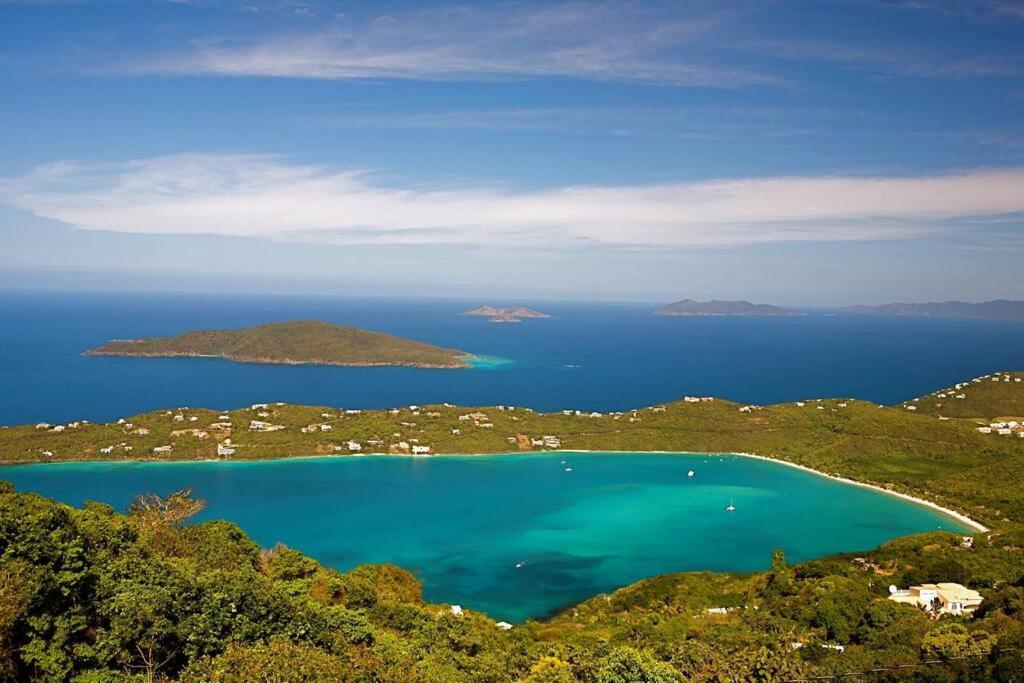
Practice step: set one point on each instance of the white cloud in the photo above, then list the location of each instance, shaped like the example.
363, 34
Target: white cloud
268, 197
613, 41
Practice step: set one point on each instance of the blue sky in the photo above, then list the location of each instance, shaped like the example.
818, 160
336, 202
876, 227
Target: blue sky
793, 152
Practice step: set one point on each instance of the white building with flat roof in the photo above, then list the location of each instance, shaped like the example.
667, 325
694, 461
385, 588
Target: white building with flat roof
939, 598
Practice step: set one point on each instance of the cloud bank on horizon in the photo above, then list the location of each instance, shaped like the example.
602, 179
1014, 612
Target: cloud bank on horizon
268, 197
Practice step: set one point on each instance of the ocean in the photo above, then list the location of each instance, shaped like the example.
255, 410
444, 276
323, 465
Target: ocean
587, 356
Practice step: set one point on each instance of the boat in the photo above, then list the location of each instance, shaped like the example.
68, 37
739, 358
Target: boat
568, 469
519, 565
731, 506
690, 473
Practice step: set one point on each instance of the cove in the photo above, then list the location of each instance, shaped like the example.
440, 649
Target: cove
464, 523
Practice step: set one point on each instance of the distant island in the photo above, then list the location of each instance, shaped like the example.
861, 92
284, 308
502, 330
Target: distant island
511, 314
293, 343
998, 309
689, 307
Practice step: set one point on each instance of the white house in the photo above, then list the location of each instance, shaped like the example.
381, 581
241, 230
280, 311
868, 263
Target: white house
985, 430
939, 598
354, 446
421, 450
162, 449
223, 450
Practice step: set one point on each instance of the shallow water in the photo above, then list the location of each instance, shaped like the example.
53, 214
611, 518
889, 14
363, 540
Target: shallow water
463, 523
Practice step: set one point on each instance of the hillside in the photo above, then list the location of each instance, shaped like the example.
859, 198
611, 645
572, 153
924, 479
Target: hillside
298, 342
946, 461
511, 314
689, 307
998, 309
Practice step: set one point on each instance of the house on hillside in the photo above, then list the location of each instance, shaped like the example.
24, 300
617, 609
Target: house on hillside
939, 598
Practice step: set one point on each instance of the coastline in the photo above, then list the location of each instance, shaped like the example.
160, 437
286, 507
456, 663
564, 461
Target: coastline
463, 359
958, 516
953, 514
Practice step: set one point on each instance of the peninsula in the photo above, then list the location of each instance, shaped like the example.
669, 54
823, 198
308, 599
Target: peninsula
511, 314
293, 343
946, 444
689, 307
997, 309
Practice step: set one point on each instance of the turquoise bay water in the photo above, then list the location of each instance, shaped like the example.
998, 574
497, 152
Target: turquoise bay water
463, 523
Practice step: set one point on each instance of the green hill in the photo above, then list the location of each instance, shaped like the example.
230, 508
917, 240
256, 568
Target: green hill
946, 461
298, 342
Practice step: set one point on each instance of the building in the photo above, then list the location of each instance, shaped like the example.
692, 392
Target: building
939, 598
421, 450
224, 451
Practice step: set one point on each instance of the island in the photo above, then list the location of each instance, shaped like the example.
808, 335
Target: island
90, 593
511, 314
997, 309
293, 343
689, 307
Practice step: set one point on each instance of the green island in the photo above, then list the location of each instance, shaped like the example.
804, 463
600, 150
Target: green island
94, 595
293, 343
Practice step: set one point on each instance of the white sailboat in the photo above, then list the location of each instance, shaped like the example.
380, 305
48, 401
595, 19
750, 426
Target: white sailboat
731, 506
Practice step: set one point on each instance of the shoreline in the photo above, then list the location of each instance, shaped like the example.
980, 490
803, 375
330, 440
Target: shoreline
463, 358
978, 527
958, 516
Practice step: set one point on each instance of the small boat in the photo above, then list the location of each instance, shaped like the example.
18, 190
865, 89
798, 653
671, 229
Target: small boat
563, 462
690, 473
731, 506
519, 565
568, 469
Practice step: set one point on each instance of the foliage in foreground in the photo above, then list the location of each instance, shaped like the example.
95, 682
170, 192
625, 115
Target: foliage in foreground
90, 595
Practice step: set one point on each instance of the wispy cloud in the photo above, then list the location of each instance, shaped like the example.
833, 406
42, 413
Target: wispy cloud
268, 197
611, 41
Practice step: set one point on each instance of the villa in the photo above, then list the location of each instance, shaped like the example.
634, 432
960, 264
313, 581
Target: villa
939, 598
354, 446
421, 450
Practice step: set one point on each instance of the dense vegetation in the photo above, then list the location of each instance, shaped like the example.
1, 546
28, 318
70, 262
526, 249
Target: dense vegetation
89, 595
302, 341
92, 595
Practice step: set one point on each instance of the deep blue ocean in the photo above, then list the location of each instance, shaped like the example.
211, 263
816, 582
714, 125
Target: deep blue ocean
587, 356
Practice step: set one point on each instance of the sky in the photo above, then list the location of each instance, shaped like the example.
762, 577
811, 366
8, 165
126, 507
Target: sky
779, 151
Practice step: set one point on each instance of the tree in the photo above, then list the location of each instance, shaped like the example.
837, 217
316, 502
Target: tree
550, 670
628, 665
952, 640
